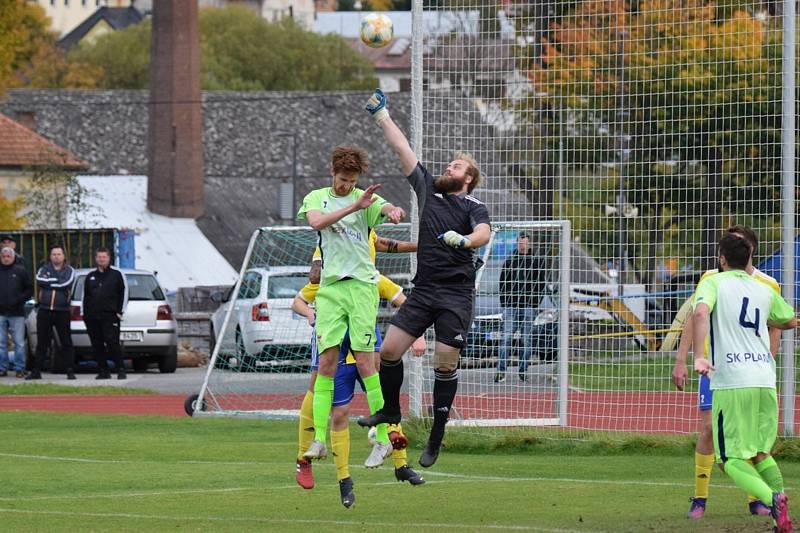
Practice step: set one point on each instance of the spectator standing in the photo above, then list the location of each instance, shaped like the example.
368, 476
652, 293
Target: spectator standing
55, 294
521, 281
105, 297
7, 241
15, 289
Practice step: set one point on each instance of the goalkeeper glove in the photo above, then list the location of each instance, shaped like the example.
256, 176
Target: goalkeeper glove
456, 240
376, 105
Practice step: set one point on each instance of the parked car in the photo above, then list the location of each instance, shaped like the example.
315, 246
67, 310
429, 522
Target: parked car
148, 332
485, 337
264, 333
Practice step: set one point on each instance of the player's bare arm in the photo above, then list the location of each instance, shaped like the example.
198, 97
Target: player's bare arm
396, 139
393, 246
320, 221
680, 372
786, 325
701, 319
393, 213
301, 307
774, 340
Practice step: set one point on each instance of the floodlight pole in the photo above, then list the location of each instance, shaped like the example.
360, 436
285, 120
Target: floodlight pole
788, 210
622, 145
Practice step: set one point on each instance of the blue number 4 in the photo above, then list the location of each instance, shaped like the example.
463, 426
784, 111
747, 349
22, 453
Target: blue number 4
743, 317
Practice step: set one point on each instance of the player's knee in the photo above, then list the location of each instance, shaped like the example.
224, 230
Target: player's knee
327, 366
365, 366
339, 419
445, 361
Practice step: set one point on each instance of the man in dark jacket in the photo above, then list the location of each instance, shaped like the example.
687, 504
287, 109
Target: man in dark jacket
8, 241
521, 285
55, 293
15, 289
105, 297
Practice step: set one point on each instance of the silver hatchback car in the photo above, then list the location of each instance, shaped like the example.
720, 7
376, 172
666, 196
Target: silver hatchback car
148, 333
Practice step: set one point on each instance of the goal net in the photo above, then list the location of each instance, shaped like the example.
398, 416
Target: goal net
260, 363
521, 317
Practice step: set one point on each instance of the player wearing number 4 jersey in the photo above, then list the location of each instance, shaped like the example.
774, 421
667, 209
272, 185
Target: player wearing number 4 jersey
704, 449
734, 310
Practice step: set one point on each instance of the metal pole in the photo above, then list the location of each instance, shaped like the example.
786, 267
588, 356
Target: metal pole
563, 322
294, 175
416, 383
788, 208
560, 161
622, 146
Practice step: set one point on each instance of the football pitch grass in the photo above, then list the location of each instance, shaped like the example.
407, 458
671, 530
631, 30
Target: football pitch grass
126, 473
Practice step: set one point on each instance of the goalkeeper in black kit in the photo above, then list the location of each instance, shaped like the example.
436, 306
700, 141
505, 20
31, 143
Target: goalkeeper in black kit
452, 224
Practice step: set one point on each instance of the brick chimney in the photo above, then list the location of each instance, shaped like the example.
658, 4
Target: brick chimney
175, 141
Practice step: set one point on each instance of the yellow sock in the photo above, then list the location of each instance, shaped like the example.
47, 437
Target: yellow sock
305, 431
340, 443
400, 457
702, 474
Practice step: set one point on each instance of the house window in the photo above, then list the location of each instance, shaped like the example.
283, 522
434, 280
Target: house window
83, 3
66, 3
405, 85
52, 3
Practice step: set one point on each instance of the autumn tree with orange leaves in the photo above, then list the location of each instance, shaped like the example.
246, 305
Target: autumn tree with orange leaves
684, 95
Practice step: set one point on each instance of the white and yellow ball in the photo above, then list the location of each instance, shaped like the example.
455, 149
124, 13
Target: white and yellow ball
376, 30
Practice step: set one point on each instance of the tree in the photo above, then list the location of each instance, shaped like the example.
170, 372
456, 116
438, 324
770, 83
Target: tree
690, 97
239, 51
50, 68
123, 57
54, 197
10, 209
23, 30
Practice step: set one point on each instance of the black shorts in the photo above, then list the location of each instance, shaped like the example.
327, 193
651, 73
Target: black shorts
447, 307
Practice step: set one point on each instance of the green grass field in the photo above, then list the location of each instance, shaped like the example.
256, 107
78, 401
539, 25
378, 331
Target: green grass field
104, 473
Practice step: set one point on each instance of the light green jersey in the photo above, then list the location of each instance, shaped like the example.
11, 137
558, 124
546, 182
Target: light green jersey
740, 309
345, 245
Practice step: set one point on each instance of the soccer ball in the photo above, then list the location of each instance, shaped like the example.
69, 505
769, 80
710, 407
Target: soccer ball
376, 30
373, 431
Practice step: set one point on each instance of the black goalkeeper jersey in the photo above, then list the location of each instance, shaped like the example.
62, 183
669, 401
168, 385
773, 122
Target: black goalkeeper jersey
436, 261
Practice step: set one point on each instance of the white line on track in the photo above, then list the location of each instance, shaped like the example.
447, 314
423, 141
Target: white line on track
358, 523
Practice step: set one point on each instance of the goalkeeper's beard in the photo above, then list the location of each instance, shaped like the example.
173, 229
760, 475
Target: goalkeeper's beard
448, 184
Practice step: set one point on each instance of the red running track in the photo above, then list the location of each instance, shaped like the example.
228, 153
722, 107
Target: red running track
662, 412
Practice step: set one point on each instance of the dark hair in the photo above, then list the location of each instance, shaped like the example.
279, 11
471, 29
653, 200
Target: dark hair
103, 250
748, 234
524, 235
735, 250
53, 247
349, 159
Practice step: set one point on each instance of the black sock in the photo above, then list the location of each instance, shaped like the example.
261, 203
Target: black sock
444, 392
391, 375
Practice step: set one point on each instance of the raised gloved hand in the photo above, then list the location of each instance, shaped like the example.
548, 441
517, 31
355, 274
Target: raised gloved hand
376, 105
455, 239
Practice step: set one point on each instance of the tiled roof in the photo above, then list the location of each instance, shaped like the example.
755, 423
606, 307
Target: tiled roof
117, 17
395, 56
21, 147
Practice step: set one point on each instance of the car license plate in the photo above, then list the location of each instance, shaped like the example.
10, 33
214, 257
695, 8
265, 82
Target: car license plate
134, 336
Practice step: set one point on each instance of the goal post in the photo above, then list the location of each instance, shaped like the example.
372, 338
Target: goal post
250, 378
540, 336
